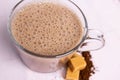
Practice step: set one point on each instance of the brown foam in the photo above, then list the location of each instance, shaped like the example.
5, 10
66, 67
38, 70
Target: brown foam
46, 28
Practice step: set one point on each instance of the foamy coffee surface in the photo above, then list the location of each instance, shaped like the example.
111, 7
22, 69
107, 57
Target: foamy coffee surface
46, 28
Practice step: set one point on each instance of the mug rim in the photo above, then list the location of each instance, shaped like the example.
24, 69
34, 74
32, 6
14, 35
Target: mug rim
52, 56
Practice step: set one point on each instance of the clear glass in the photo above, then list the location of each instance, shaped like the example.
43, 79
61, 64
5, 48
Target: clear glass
42, 63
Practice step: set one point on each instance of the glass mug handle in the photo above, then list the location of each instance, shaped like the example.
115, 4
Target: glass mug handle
94, 41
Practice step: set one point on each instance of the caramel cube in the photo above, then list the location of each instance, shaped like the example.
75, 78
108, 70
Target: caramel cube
77, 63
70, 75
76, 54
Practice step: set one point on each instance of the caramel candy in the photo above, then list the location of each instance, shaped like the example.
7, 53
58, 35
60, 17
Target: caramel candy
76, 54
77, 63
70, 75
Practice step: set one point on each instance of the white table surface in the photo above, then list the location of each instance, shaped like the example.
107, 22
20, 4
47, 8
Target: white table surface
103, 15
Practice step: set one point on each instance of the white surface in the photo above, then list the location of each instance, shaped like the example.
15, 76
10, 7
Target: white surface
103, 15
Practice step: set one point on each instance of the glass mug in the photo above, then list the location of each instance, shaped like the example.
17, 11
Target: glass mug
91, 40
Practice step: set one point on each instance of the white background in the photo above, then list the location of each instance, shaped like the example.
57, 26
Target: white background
103, 15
